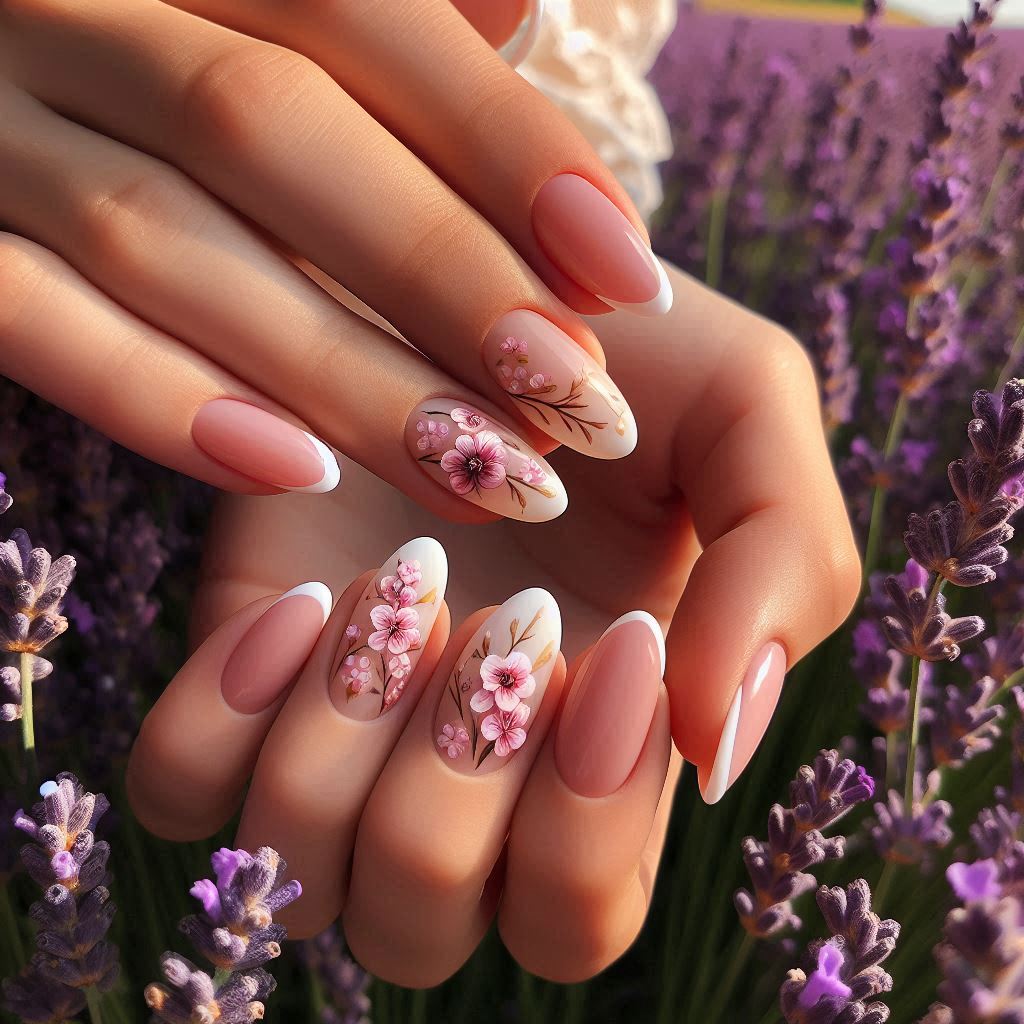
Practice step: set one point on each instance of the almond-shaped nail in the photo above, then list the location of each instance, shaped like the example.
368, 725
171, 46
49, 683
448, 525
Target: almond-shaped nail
274, 648
591, 241
608, 713
558, 386
747, 721
490, 700
257, 444
390, 625
484, 462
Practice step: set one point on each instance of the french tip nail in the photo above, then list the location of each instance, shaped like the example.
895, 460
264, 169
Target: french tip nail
658, 306
718, 781
648, 620
319, 591
332, 470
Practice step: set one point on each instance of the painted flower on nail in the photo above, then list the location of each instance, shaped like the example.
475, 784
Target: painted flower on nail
393, 589
397, 629
453, 740
510, 346
400, 666
506, 682
468, 420
353, 632
505, 729
410, 573
356, 673
432, 434
477, 461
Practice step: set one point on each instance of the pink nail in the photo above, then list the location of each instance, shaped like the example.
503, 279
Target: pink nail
256, 443
557, 386
604, 724
274, 649
747, 721
591, 240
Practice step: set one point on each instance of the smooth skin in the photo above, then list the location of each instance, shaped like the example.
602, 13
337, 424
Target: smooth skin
162, 165
726, 524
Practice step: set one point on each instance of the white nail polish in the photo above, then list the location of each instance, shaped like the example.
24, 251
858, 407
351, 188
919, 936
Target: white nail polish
332, 471
319, 591
718, 780
650, 621
660, 304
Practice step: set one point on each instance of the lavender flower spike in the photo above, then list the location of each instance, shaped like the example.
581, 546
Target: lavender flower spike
964, 724
191, 995
911, 836
6, 501
920, 627
344, 982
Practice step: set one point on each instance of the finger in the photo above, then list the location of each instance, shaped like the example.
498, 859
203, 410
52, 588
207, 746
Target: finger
142, 387
331, 741
576, 885
155, 241
496, 140
221, 703
779, 570
424, 885
269, 132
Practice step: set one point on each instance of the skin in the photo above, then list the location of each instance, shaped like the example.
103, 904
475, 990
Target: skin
726, 524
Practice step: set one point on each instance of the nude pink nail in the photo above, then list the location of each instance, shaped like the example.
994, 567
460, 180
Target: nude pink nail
275, 647
591, 241
747, 721
608, 713
257, 444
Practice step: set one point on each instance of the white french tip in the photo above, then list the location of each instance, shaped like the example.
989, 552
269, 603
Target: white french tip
332, 471
648, 620
718, 781
518, 48
48, 788
658, 306
320, 591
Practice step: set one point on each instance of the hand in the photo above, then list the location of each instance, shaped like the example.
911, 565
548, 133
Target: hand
726, 524
157, 163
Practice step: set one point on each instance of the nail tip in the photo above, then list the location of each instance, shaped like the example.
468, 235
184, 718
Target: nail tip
320, 592
639, 615
332, 469
659, 305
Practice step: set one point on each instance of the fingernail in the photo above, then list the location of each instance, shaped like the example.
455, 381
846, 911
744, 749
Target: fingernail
591, 240
558, 386
518, 48
491, 698
747, 721
256, 443
608, 713
389, 629
483, 462
274, 648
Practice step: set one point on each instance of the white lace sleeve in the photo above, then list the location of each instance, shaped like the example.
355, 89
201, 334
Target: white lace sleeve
591, 58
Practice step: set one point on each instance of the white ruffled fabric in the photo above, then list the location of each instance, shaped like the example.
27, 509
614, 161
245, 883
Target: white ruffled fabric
591, 58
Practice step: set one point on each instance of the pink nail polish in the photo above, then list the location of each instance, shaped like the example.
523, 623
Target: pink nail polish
591, 240
256, 443
491, 698
390, 626
275, 647
557, 386
747, 721
607, 715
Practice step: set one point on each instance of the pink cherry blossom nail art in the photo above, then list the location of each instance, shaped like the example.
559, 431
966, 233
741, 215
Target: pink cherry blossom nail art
390, 625
491, 697
484, 462
558, 387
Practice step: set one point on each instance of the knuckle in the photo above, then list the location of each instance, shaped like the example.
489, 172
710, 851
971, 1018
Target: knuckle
27, 278
430, 249
243, 96
785, 361
142, 215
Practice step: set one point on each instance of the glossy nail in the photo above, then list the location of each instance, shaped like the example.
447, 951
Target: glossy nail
256, 443
591, 241
518, 48
491, 698
390, 625
274, 648
557, 386
608, 713
483, 461
746, 722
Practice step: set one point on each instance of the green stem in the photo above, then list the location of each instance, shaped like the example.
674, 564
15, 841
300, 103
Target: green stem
890, 762
893, 437
1016, 351
28, 725
716, 238
913, 733
92, 999
725, 987
1012, 680
881, 890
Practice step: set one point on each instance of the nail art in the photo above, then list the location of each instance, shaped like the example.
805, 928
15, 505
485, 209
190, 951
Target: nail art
483, 462
257, 444
747, 721
558, 386
491, 697
274, 648
603, 725
389, 628
593, 242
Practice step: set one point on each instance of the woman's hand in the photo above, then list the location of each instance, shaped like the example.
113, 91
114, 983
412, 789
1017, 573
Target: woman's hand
726, 524
163, 166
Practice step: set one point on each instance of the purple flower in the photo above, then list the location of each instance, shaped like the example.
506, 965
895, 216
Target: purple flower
6, 501
911, 836
974, 882
825, 982
32, 588
920, 627
964, 724
344, 982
